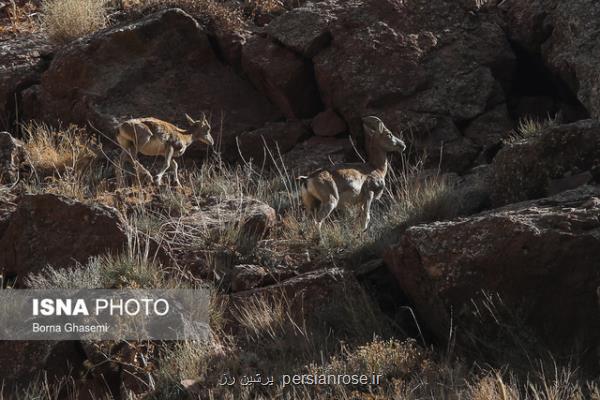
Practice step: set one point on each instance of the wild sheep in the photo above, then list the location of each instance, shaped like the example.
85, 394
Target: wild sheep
353, 183
153, 137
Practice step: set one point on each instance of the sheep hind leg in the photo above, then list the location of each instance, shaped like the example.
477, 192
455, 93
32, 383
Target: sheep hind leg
139, 167
310, 202
325, 210
142, 136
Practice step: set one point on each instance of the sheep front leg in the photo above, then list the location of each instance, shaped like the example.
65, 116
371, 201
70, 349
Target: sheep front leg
366, 212
168, 159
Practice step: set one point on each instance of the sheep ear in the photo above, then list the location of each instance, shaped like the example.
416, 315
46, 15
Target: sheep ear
373, 125
189, 119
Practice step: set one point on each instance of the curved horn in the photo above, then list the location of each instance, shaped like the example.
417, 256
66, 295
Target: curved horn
189, 119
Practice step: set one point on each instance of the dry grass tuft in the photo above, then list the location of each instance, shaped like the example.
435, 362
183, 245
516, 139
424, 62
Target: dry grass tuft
64, 161
18, 17
53, 151
135, 268
219, 15
256, 8
67, 20
530, 127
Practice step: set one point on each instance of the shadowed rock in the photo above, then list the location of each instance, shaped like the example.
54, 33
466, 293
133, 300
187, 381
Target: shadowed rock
542, 257
22, 60
47, 229
531, 167
564, 35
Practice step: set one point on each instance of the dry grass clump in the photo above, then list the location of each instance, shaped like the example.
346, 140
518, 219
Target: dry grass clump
257, 8
135, 268
530, 127
271, 339
18, 17
64, 161
67, 20
217, 14
105, 272
53, 151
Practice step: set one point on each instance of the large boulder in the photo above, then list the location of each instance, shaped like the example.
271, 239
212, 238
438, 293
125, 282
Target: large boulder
328, 123
22, 61
267, 143
250, 216
25, 361
243, 220
563, 35
539, 164
425, 67
163, 66
47, 229
316, 152
541, 257
282, 75
326, 299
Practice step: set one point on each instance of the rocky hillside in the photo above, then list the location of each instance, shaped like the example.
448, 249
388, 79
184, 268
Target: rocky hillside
479, 274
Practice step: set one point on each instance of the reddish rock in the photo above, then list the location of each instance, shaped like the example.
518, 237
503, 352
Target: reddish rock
541, 257
22, 60
564, 35
316, 152
320, 298
278, 137
162, 66
47, 229
286, 78
230, 46
527, 168
305, 29
328, 123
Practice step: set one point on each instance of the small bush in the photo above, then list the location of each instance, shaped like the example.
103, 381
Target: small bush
133, 269
530, 127
66, 20
64, 161
52, 151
